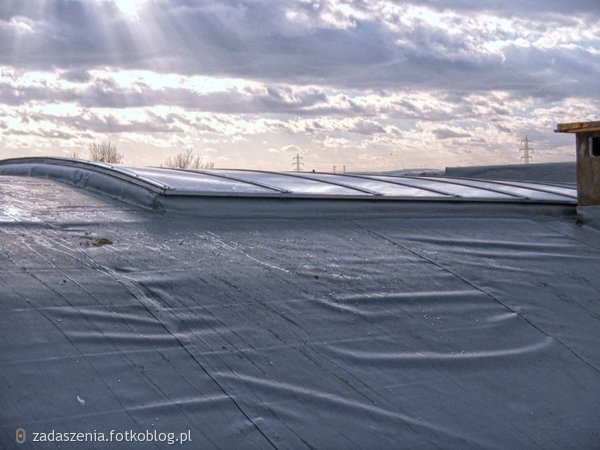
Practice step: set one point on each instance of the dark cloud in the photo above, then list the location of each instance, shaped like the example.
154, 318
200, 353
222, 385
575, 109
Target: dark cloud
257, 40
362, 72
518, 7
366, 127
449, 134
77, 76
69, 34
103, 125
44, 134
105, 93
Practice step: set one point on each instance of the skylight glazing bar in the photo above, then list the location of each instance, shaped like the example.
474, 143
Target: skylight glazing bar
530, 186
316, 180
473, 185
240, 179
347, 186
399, 183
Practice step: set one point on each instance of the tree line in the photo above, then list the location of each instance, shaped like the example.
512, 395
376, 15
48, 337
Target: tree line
107, 152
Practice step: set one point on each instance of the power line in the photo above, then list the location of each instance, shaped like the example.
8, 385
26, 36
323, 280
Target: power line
297, 162
527, 151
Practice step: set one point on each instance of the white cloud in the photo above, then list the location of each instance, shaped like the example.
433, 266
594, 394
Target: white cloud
343, 81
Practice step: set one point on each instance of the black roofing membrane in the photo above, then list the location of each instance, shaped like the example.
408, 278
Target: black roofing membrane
448, 332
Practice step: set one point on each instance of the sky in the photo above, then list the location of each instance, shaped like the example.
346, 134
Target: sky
369, 85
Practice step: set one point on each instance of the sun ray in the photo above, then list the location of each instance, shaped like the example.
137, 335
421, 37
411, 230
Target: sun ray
131, 8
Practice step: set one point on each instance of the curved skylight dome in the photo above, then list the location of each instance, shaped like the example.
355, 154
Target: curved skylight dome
253, 183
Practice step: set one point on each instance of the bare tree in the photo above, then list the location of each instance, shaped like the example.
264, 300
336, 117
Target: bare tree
105, 152
187, 160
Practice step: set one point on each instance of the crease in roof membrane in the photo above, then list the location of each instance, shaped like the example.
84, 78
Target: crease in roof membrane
439, 332
160, 187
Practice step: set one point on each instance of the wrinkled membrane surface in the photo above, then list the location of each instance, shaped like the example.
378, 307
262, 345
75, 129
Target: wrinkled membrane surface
447, 332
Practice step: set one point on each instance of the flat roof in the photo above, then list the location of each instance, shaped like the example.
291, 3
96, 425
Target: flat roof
439, 331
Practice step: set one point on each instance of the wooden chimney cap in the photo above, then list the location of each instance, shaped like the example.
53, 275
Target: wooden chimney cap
578, 127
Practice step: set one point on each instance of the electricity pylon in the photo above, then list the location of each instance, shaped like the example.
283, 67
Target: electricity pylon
527, 151
297, 162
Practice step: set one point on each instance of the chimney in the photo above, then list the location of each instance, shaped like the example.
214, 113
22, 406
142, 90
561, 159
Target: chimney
587, 136
588, 160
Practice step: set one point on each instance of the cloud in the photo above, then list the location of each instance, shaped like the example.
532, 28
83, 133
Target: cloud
290, 148
519, 7
366, 127
369, 45
376, 75
444, 133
